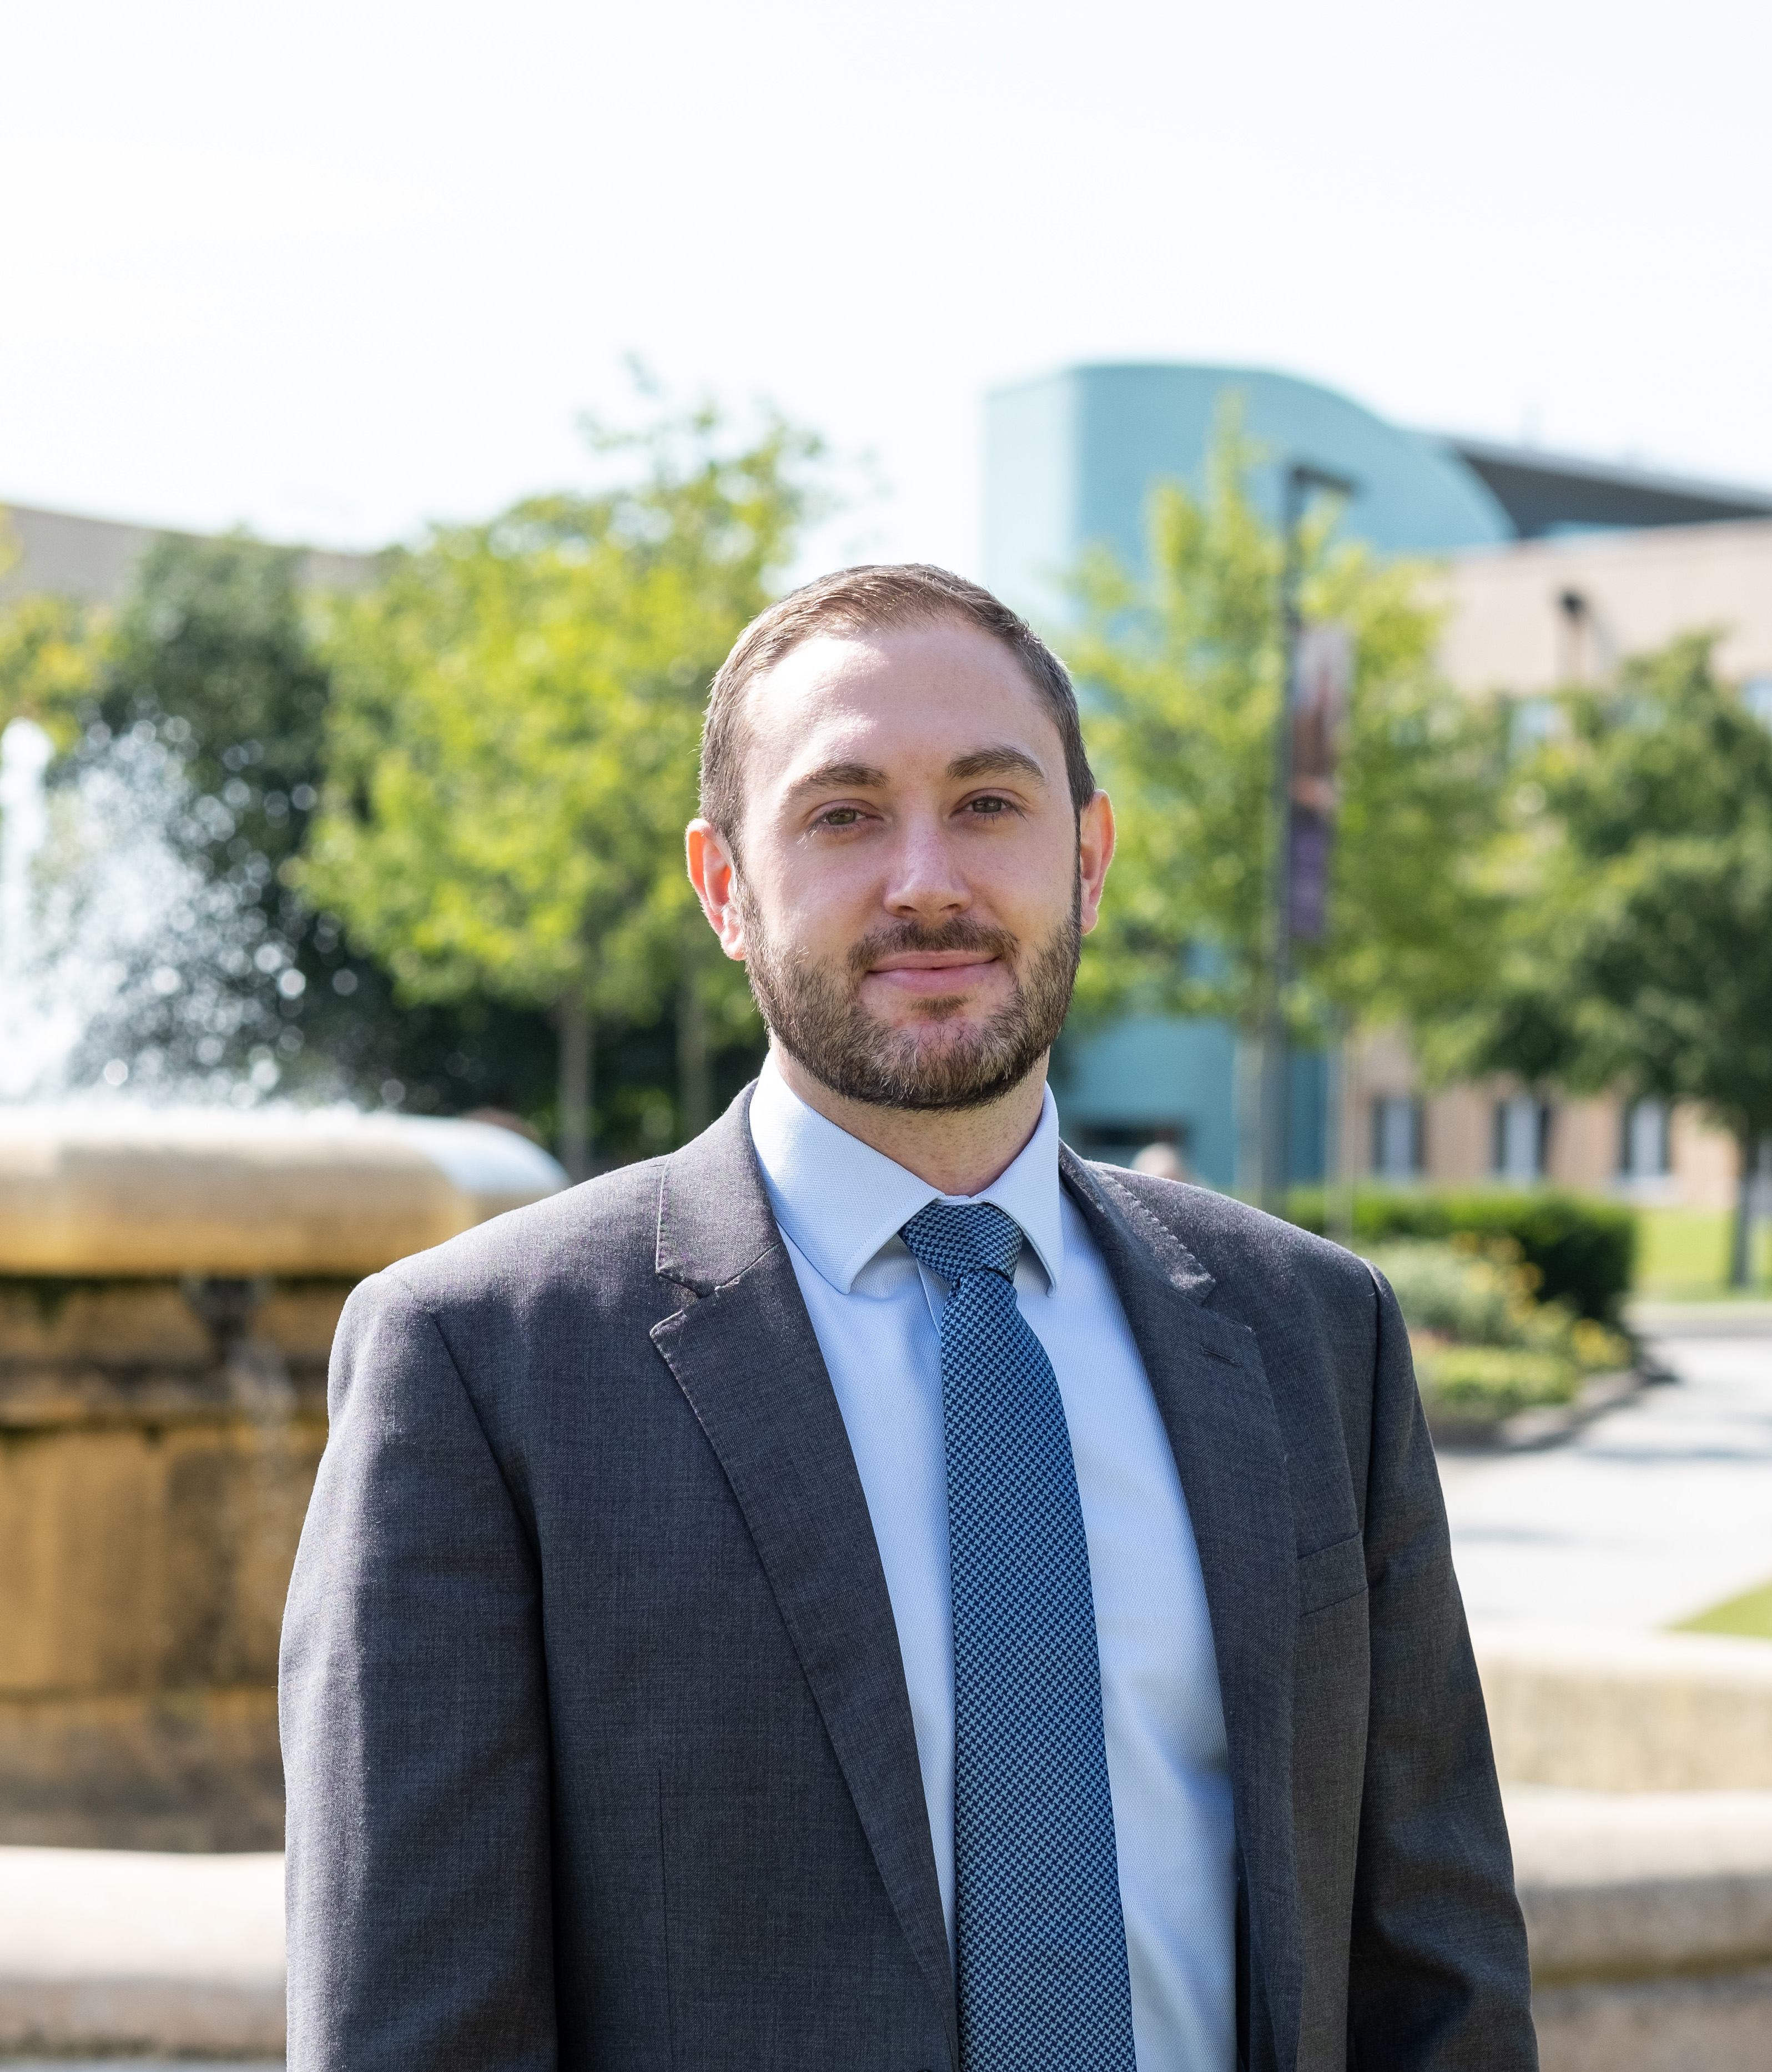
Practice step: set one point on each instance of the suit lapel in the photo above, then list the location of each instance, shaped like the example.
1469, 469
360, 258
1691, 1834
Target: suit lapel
1212, 1391
742, 1348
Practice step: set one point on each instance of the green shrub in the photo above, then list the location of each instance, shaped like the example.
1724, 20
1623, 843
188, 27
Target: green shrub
1457, 1292
1483, 1347
1481, 1292
1486, 1383
1584, 1251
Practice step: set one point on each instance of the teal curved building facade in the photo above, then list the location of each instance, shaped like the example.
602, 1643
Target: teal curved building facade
1071, 459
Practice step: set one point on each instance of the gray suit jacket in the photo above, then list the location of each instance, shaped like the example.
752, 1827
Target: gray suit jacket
598, 1747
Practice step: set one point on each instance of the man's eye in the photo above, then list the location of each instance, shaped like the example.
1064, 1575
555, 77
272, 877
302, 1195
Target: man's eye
985, 806
842, 816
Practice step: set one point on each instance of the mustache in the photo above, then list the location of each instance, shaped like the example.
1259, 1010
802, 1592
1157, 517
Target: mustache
909, 938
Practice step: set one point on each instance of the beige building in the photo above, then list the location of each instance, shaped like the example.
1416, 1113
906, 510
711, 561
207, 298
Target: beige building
68, 555
1525, 619
1528, 617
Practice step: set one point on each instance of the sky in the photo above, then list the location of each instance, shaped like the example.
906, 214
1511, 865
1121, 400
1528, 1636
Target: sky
335, 271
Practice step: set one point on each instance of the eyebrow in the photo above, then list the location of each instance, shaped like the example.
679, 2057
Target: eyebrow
862, 775
1000, 761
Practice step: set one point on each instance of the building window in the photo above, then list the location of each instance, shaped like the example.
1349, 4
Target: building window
1523, 1138
1396, 1137
1643, 1141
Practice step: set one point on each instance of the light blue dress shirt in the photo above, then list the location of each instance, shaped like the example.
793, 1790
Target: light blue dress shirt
876, 1314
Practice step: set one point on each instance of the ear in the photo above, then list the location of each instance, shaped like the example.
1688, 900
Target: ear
1095, 852
714, 872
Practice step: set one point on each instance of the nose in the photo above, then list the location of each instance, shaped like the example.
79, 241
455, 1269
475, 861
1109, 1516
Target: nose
924, 881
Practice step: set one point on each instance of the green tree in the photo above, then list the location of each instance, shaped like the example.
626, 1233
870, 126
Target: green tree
200, 697
1182, 676
1638, 950
203, 696
49, 648
213, 647
49, 651
209, 672
513, 748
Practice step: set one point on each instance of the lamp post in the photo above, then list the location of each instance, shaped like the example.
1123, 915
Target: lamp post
1302, 481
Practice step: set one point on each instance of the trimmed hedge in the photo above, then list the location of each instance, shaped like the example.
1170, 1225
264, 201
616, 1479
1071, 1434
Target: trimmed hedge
1585, 1251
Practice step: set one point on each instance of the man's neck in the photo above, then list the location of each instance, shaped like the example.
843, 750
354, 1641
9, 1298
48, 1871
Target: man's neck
961, 1151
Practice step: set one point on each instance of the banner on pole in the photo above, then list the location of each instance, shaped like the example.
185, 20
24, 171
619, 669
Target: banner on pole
1322, 677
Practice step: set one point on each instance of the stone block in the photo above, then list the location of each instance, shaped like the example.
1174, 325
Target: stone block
1623, 1712
158, 1441
1649, 1916
1669, 2025
113, 1952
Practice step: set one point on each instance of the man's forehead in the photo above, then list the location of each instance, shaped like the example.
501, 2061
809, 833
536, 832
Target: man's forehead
948, 677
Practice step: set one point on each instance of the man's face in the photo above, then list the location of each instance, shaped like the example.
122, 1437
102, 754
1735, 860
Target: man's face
913, 888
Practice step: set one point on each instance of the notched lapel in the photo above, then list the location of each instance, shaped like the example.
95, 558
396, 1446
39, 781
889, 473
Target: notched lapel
1211, 1389
743, 1351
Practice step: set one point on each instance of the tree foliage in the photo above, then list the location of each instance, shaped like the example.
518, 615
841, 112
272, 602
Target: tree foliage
1181, 672
49, 658
211, 659
198, 704
1638, 948
189, 723
512, 747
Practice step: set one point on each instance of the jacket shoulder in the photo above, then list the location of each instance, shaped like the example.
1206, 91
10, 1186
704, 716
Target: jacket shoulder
601, 1236
1331, 1338
1244, 1249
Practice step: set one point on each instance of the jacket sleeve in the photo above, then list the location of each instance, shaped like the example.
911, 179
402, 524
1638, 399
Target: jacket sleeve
1438, 1978
414, 1728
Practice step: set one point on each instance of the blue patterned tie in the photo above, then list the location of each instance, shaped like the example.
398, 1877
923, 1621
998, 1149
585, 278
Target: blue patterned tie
1040, 1939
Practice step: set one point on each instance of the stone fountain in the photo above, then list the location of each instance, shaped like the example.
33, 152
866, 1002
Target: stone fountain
169, 1281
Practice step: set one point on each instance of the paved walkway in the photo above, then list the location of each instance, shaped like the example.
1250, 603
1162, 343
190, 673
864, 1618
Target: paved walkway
1653, 1513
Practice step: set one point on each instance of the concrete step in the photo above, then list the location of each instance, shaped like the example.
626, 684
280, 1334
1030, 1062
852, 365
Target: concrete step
1650, 1916
113, 1950
1650, 1919
1628, 1711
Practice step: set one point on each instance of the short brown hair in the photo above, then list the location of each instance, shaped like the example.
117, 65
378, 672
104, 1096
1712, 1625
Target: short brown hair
868, 600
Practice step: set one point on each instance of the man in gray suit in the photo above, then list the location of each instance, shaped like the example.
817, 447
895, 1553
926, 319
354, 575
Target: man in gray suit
870, 1590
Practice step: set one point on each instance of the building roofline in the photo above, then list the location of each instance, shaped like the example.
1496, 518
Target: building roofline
1542, 460
158, 529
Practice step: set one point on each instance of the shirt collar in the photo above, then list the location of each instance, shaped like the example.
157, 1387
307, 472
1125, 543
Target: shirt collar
839, 1200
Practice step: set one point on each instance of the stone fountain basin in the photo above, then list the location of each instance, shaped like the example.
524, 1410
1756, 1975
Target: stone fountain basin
118, 1190
170, 1283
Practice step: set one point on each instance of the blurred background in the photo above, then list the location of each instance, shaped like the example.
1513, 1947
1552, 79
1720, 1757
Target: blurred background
401, 410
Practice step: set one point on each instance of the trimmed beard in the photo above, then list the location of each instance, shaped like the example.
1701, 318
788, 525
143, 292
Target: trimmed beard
814, 1012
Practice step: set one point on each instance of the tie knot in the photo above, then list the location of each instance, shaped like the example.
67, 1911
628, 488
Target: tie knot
955, 1239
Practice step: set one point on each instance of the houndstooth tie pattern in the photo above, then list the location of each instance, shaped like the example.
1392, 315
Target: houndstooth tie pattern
1041, 1941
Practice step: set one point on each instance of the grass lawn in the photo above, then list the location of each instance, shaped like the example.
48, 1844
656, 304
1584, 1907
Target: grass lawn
1750, 1615
1685, 1252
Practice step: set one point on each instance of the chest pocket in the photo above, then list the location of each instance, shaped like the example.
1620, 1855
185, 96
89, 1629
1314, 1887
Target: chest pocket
1331, 1575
